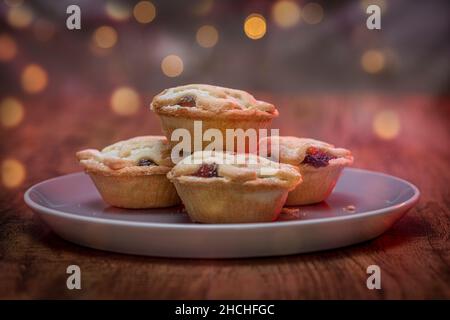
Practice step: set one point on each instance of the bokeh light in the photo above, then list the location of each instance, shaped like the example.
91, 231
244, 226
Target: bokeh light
8, 47
11, 112
44, 30
20, 16
144, 12
207, 36
34, 78
118, 11
373, 61
386, 124
312, 13
105, 37
172, 66
255, 26
13, 173
286, 14
125, 101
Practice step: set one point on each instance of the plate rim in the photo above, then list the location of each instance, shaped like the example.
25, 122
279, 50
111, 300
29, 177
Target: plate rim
407, 204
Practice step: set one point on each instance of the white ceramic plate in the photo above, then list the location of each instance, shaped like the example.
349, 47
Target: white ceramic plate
72, 207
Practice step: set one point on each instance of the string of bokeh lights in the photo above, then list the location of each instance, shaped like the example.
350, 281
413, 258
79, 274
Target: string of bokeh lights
125, 100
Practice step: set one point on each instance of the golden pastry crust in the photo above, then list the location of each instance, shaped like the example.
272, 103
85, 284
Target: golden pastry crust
136, 192
221, 202
317, 185
122, 158
171, 123
247, 169
200, 101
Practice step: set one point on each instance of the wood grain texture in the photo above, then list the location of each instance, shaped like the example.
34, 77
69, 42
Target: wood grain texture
414, 255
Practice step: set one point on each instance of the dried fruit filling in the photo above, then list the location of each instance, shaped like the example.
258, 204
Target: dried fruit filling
317, 158
207, 170
187, 101
146, 162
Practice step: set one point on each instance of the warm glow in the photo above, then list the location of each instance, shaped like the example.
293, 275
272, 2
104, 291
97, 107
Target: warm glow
125, 101
207, 36
373, 61
172, 66
312, 13
386, 124
11, 112
20, 16
8, 48
34, 78
255, 26
117, 11
44, 30
13, 173
286, 14
144, 12
105, 37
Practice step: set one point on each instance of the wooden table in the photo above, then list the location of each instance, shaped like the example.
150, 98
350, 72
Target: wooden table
414, 255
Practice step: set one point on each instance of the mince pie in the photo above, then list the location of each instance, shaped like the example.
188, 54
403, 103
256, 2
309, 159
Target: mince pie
132, 173
216, 107
224, 187
319, 163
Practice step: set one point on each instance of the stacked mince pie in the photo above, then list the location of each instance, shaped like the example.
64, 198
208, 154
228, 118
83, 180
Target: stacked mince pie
219, 186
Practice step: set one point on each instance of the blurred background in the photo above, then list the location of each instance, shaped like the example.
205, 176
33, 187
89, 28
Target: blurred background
331, 78
278, 46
